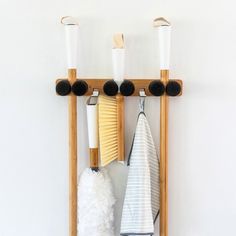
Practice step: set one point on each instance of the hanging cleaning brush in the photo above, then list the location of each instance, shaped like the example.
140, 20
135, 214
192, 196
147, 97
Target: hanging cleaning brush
111, 111
95, 194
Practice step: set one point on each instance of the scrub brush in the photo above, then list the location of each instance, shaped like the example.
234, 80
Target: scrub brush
111, 112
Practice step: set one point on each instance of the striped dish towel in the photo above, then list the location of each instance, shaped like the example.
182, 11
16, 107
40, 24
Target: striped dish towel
142, 197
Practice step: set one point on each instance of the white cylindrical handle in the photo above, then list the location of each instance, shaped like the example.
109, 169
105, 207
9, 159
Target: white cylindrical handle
71, 31
118, 61
164, 39
92, 123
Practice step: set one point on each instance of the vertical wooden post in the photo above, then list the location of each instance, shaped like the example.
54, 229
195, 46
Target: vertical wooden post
120, 128
72, 157
164, 158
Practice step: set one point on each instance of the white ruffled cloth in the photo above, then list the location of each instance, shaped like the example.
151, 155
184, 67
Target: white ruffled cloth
95, 204
142, 198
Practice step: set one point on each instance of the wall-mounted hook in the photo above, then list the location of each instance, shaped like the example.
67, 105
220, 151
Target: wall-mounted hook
142, 96
93, 99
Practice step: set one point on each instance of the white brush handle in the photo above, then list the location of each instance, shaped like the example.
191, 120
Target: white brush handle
92, 122
164, 39
71, 33
118, 61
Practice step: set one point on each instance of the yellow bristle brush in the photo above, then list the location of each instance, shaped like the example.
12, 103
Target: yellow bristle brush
111, 112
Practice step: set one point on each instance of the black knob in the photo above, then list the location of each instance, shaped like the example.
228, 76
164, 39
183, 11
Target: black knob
63, 87
127, 88
173, 88
80, 87
156, 88
110, 88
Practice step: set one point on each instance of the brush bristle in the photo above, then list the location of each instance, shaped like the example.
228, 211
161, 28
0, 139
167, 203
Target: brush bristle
108, 138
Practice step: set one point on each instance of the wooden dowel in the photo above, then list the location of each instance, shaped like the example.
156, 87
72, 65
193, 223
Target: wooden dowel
120, 128
93, 157
72, 157
164, 158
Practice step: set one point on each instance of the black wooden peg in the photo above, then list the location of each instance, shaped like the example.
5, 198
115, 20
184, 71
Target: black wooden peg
80, 87
63, 87
173, 88
110, 88
127, 88
156, 88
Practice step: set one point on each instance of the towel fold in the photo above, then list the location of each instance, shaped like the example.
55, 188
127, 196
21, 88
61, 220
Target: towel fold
142, 197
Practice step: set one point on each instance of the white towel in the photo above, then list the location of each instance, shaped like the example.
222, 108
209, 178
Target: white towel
142, 198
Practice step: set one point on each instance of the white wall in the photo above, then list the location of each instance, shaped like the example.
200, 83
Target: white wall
33, 123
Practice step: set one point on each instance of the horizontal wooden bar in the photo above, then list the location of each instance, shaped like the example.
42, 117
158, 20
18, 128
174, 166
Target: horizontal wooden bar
96, 83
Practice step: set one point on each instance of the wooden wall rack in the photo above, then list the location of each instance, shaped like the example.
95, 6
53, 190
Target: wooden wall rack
171, 88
